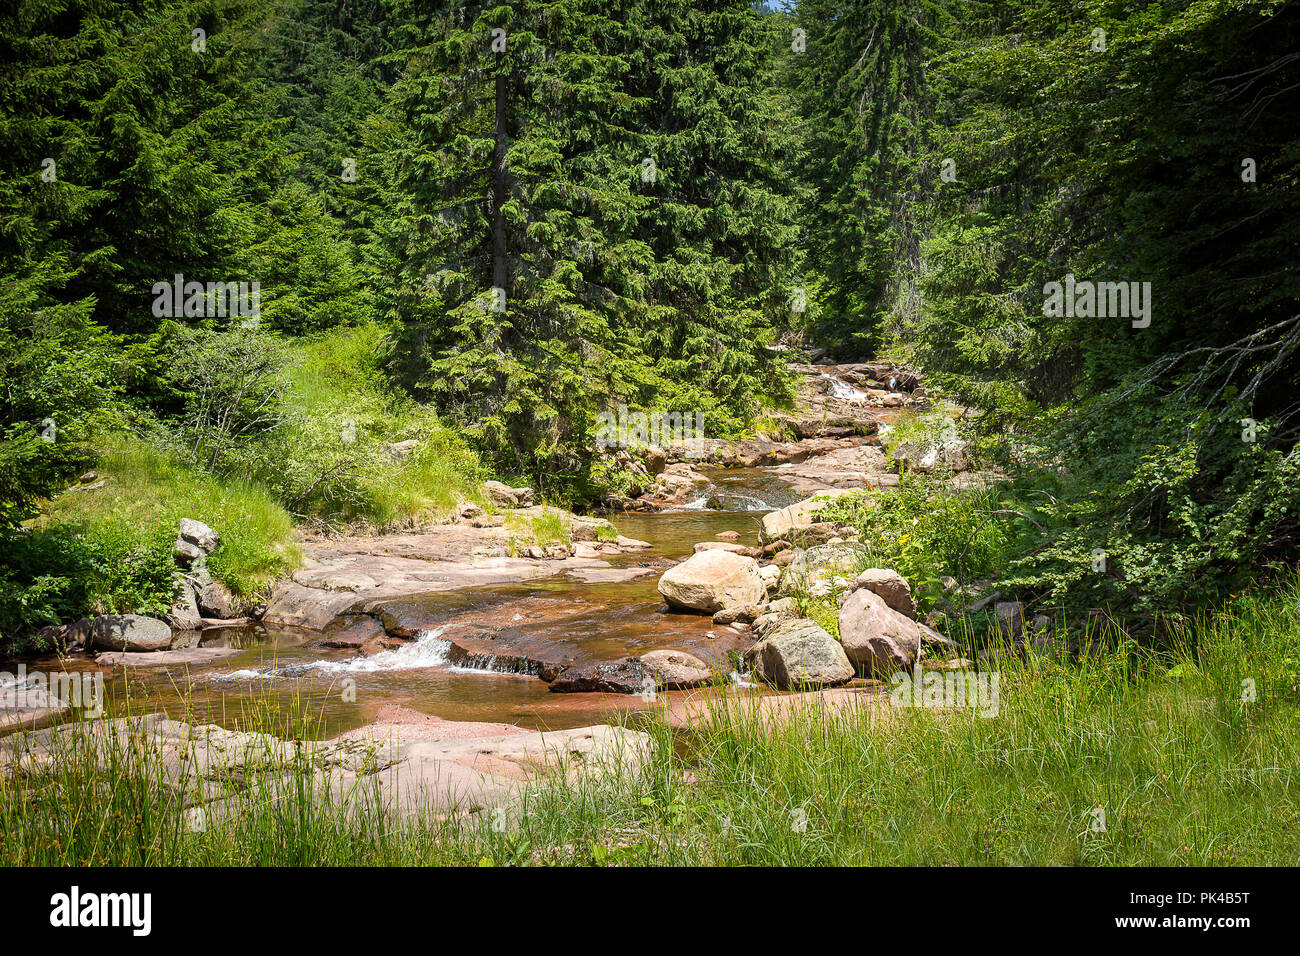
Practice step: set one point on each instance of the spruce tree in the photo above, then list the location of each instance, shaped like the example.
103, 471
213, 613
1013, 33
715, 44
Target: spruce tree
592, 207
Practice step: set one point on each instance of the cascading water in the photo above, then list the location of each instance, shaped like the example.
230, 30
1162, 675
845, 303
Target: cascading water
427, 650
838, 389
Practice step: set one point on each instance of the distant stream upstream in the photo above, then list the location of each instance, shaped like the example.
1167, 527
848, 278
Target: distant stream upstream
277, 667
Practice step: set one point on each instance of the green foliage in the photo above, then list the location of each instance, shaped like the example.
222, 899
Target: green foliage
59, 372
653, 285
353, 448
138, 510
924, 530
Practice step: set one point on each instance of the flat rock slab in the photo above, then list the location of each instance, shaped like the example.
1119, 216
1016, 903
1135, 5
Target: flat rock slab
699, 709
316, 595
25, 706
173, 658
608, 575
409, 772
395, 722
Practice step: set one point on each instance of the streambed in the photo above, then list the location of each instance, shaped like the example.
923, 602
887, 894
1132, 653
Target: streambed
270, 668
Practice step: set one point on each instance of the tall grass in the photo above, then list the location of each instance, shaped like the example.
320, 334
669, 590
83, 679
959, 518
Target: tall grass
343, 420
146, 493
1127, 757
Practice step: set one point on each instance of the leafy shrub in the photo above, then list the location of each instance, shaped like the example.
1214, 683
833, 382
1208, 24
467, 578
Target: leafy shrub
925, 530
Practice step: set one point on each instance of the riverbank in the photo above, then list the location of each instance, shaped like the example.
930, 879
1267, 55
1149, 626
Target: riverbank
1128, 758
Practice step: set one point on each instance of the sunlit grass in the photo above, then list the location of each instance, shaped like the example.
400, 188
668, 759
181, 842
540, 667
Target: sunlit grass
146, 493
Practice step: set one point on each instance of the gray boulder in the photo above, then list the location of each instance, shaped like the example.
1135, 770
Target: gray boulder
798, 654
197, 533
130, 632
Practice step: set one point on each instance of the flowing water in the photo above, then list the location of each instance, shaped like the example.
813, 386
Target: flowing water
281, 668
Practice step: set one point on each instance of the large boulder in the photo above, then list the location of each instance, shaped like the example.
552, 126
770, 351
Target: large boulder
790, 521
130, 632
712, 580
799, 655
215, 600
676, 670
504, 496
890, 586
876, 638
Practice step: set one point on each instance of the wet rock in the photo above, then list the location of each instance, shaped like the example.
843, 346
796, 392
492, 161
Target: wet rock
775, 547
876, 638
130, 632
293, 605
353, 637
783, 558
745, 614
676, 485
175, 657
728, 535
627, 676
676, 670
799, 654
379, 643
711, 581
890, 586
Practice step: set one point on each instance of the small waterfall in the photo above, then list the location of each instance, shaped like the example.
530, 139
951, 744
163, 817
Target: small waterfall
838, 389
718, 499
427, 650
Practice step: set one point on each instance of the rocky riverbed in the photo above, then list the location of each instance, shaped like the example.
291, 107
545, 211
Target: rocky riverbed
680, 597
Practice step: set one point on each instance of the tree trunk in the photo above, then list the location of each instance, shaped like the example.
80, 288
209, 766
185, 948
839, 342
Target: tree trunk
499, 269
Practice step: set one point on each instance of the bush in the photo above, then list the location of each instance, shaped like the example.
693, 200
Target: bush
352, 448
925, 530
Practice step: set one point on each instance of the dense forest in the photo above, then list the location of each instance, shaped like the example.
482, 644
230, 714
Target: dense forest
245, 245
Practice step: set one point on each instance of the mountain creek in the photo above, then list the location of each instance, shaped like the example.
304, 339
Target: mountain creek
456, 626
